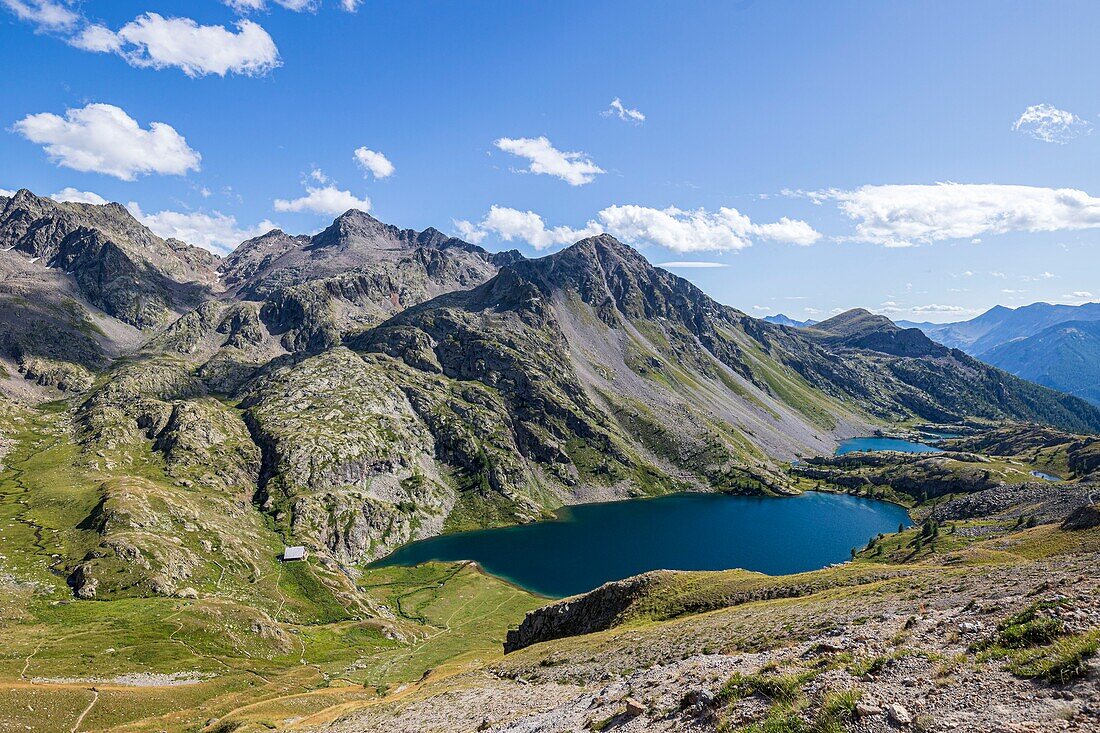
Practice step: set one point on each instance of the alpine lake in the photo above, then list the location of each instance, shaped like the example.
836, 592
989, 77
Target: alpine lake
590, 544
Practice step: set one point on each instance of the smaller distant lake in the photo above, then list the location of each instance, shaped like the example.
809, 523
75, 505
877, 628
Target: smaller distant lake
854, 445
591, 544
1046, 476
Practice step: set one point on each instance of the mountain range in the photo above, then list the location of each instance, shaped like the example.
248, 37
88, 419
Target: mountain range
172, 421
370, 385
1053, 345
782, 319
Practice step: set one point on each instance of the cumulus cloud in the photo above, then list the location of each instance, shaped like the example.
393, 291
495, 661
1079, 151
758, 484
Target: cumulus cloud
467, 230
576, 169
907, 215
70, 194
153, 41
48, 15
1051, 125
699, 230
624, 113
323, 200
246, 6
102, 138
215, 231
374, 163
692, 265
1079, 294
672, 228
526, 226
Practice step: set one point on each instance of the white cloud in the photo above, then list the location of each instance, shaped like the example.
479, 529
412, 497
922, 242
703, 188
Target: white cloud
672, 228
48, 15
6, 192
70, 194
1079, 294
527, 226
576, 169
937, 308
624, 113
215, 231
98, 39
906, 215
153, 41
699, 230
323, 200
373, 162
467, 230
691, 265
246, 6
1050, 124
102, 138
350, 5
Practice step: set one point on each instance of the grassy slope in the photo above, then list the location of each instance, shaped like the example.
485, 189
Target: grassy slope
270, 642
282, 645
688, 614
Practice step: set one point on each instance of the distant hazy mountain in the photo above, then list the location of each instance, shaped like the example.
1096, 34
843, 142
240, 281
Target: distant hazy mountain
1054, 345
1065, 357
784, 320
999, 325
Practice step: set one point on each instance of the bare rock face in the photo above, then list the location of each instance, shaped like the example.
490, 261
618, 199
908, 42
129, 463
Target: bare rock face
357, 243
354, 274
79, 282
117, 263
345, 456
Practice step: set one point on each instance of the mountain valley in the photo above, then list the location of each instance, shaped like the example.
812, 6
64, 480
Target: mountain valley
172, 419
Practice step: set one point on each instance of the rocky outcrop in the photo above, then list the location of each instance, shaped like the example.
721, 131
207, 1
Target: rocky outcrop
63, 376
594, 611
158, 540
348, 464
665, 594
1084, 517
1038, 502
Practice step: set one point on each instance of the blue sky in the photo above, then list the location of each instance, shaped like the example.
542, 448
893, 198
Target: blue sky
797, 145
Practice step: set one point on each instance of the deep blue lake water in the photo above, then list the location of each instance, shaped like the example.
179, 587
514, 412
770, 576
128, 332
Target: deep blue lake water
591, 544
872, 444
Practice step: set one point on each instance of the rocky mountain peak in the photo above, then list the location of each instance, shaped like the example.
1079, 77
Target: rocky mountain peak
861, 329
116, 263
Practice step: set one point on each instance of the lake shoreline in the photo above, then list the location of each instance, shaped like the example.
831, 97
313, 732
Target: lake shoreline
585, 546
